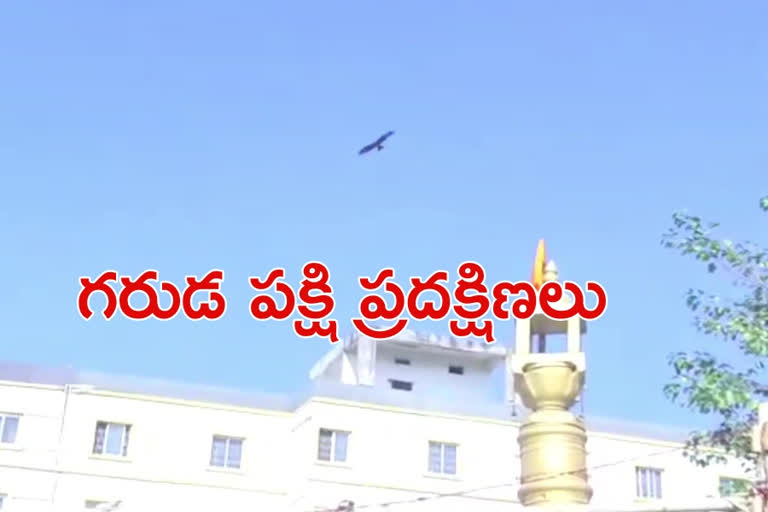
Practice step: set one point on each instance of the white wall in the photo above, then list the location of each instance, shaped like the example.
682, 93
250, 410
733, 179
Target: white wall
26, 466
681, 479
167, 467
390, 447
429, 372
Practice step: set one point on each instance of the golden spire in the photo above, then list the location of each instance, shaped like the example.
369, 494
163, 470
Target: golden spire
550, 272
538, 265
552, 439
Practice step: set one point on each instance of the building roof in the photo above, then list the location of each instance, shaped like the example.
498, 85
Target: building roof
469, 347
288, 402
448, 343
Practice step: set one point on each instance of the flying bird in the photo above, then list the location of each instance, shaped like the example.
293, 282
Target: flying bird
377, 144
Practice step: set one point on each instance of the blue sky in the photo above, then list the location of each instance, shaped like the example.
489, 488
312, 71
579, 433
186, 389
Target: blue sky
186, 136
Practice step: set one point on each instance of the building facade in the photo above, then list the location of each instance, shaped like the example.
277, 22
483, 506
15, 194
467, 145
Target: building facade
408, 424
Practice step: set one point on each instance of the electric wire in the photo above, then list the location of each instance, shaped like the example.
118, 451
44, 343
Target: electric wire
535, 478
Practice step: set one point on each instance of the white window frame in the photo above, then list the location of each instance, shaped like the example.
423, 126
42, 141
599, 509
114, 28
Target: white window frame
650, 491
228, 440
442, 471
125, 439
332, 453
3, 416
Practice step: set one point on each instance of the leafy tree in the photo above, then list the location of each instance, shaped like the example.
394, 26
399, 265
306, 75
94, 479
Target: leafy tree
702, 382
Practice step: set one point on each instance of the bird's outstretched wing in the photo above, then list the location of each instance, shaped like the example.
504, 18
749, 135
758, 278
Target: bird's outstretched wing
368, 148
384, 137
377, 143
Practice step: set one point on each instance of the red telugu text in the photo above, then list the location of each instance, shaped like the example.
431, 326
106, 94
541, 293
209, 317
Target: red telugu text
476, 304
313, 301
148, 286
384, 312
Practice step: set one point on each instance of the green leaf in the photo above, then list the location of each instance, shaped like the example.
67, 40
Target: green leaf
701, 381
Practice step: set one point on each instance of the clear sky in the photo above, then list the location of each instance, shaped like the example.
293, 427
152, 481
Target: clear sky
186, 136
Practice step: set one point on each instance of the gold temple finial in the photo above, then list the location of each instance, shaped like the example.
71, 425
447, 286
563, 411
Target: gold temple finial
537, 279
550, 272
552, 439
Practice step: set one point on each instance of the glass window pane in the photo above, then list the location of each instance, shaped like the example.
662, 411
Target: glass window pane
126, 436
218, 451
235, 453
98, 442
10, 427
324, 445
435, 457
733, 486
114, 443
637, 482
340, 448
449, 459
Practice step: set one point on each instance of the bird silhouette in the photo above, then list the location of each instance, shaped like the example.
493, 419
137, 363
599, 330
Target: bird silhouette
377, 144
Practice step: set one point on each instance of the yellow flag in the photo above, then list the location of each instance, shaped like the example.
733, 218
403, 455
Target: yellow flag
538, 265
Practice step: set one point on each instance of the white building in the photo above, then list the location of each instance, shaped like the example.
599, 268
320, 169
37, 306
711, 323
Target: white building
409, 422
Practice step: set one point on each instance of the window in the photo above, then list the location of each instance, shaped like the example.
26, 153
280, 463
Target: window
111, 439
457, 370
9, 426
226, 452
442, 458
401, 385
332, 445
648, 482
733, 486
2, 500
400, 360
